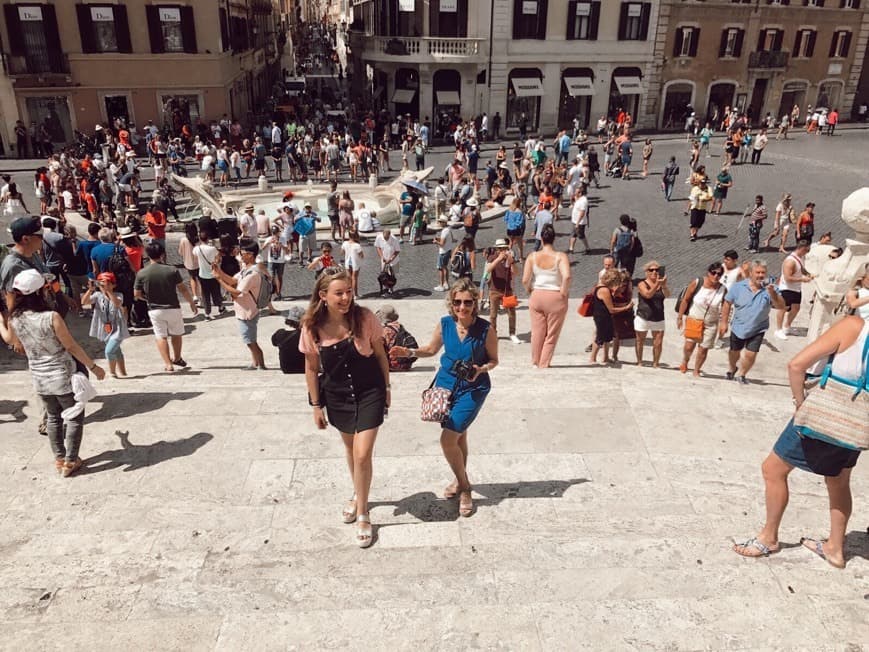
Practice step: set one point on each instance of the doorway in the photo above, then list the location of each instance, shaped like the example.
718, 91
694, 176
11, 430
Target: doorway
758, 96
117, 108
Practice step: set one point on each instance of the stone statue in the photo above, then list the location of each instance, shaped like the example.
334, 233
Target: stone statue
834, 277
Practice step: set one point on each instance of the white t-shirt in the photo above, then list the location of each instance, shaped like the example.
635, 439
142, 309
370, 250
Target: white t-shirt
207, 161
387, 247
446, 238
205, 255
579, 214
363, 220
275, 249
353, 255
248, 225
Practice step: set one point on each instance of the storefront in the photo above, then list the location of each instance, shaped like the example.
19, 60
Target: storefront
405, 97
721, 98
793, 93
678, 96
829, 94
180, 109
577, 89
524, 90
626, 88
53, 112
447, 107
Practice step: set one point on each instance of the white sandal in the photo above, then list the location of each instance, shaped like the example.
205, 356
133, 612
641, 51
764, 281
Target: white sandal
364, 535
348, 515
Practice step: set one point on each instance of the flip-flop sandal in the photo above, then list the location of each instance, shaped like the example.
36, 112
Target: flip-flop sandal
179, 362
817, 547
753, 542
451, 491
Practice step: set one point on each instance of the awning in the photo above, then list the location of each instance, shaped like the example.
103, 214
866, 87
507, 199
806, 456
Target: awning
403, 95
527, 86
579, 86
629, 85
448, 98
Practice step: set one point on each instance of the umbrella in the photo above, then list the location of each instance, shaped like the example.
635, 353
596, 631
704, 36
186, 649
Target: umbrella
413, 184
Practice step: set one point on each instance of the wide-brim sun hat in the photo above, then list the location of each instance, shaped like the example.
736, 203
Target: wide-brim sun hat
501, 243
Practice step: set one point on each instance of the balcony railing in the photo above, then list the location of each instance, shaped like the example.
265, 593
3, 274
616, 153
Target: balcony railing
42, 63
768, 59
432, 46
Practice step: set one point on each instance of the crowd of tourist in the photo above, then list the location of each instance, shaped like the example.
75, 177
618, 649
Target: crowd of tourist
117, 274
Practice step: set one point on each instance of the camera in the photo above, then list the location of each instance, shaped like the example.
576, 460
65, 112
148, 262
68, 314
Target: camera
462, 369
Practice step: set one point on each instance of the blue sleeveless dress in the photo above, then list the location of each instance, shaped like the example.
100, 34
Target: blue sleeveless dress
468, 398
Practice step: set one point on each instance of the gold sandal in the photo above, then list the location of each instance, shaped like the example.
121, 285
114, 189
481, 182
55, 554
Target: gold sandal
348, 514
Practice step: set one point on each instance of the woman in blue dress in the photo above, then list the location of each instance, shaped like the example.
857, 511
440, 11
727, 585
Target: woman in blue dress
465, 337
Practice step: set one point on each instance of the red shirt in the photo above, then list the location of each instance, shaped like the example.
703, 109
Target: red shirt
156, 223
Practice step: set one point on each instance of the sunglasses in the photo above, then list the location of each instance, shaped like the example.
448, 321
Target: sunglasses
717, 272
467, 303
654, 270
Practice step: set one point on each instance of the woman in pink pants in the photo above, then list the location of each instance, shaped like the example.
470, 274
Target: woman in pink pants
547, 279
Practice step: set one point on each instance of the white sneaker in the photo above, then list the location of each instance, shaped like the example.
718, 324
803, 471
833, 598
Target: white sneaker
781, 334
515, 339
439, 288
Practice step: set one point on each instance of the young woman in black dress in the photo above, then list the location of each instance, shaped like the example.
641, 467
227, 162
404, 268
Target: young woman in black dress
347, 373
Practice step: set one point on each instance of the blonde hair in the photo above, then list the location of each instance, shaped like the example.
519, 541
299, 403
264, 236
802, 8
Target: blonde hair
650, 264
317, 312
463, 285
611, 278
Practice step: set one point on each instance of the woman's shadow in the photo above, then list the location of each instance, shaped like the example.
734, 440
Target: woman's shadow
139, 456
428, 507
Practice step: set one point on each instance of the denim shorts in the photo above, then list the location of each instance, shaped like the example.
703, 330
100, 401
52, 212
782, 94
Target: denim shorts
248, 329
443, 260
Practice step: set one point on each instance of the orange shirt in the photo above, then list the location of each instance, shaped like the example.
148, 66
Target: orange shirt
156, 223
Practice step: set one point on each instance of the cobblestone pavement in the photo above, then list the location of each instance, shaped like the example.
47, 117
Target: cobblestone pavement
812, 168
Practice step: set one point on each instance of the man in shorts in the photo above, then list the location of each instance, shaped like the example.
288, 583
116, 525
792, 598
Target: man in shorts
444, 240
158, 284
579, 217
750, 301
793, 275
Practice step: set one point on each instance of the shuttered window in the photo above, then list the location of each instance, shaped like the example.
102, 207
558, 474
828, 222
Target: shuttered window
634, 21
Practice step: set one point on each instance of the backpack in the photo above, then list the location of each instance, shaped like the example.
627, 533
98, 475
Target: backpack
515, 220
265, 290
623, 239
470, 219
638, 250
400, 338
681, 296
460, 266
119, 265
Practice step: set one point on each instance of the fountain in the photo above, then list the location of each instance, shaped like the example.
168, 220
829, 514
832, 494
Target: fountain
383, 199
834, 277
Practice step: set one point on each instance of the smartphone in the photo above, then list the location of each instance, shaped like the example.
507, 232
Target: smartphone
662, 271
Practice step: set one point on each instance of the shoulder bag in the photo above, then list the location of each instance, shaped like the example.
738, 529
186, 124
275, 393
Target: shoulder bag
438, 401
509, 301
836, 410
694, 327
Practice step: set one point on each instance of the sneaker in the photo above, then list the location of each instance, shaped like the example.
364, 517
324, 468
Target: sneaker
588, 348
439, 288
790, 330
781, 334
515, 339
208, 318
742, 380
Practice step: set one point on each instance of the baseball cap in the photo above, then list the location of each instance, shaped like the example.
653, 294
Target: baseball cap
25, 226
295, 314
28, 281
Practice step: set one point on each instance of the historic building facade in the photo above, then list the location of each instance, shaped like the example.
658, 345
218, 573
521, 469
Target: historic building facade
546, 60
78, 63
761, 56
